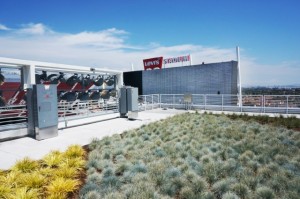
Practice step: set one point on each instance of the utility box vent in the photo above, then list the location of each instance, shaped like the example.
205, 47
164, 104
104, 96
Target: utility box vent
128, 102
42, 111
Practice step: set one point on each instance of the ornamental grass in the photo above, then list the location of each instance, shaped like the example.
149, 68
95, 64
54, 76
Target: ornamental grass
196, 156
56, 175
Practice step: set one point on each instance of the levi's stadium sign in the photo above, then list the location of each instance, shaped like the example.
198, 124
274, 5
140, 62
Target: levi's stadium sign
177, 59
157, 62
152, 63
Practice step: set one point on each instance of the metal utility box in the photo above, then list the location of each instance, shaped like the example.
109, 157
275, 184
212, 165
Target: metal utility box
128, 102
42, 111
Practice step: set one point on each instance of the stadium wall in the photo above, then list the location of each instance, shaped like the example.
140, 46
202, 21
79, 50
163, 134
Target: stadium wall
214, 78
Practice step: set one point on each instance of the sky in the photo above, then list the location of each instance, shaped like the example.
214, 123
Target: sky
117, 34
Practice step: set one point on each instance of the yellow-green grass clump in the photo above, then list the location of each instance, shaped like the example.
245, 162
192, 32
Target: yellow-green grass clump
55, 176
196, 156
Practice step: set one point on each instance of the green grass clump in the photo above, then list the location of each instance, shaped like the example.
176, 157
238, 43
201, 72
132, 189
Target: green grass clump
66, 172
74, 151
92, 195
54, 176
196, 156
60, 187
88, 188
264, 193
290, 122
25, 165
4, 191
25, 193
240, 189
53, 159
32, 180
222, 186
229, 195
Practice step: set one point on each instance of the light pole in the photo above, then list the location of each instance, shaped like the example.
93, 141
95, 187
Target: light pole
239, 76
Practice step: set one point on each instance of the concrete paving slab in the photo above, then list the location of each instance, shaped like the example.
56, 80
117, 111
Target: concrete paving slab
11, 151
10, 158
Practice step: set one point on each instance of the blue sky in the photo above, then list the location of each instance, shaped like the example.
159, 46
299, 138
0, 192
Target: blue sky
115, 34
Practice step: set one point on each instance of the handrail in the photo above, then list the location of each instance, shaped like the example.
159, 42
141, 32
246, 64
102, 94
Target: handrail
283, 104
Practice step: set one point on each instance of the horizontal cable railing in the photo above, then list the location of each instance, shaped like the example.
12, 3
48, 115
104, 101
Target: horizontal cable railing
13, 116
148, 102
282, 104
82, 109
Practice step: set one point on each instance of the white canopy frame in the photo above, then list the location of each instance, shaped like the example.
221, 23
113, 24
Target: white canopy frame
30, 67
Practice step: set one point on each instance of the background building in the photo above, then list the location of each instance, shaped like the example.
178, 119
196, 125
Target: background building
213, 78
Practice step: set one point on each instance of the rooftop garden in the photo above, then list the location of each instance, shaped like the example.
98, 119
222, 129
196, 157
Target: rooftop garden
188, 156
196, 156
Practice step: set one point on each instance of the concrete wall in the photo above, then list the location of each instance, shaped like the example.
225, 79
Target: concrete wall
196, 79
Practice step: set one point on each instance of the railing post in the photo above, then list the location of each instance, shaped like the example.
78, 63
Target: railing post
105, 105
173, 101
87, 107
222, 102
262, 104
264, 98
65, 109
241, 101
152, 101
145, 100
204, 102
287, 104
159, 100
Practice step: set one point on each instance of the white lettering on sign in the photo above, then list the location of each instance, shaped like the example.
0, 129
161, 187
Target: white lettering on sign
155, 62
151, 63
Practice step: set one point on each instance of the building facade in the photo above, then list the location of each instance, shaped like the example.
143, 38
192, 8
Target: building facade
213, 78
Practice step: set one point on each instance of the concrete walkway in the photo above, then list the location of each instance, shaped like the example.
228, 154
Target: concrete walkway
11, 151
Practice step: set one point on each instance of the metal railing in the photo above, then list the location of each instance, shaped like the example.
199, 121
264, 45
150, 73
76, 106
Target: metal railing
77, 109
148, 102
281, 104
13, 116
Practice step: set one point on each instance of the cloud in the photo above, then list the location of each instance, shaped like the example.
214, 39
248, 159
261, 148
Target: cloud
110, 49
254, 73
34, 29
3, 27
107, 39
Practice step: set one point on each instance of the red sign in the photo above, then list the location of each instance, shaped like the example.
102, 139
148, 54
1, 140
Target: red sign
152, 63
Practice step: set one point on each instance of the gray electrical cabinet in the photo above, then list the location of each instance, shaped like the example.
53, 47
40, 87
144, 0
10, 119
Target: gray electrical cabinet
42, 111
128, 102
123, 102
